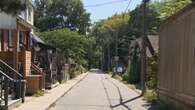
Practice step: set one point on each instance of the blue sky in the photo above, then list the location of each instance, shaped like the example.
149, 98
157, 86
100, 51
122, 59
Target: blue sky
105, 11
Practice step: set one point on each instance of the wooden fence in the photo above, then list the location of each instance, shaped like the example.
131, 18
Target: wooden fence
176, 78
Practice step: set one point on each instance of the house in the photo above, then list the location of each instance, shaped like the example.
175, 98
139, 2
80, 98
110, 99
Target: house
16, 46
176, 76
50, 60
15, 55
152, 43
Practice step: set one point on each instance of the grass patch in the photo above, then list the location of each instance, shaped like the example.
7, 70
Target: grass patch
39, 93
117, 77
150, 96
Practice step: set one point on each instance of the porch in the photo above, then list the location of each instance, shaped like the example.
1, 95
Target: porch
16, 51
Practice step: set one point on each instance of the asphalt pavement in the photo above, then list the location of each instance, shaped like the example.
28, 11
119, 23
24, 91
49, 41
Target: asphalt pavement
99, 91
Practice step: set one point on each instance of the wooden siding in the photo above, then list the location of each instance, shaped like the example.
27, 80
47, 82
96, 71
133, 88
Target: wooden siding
176, 78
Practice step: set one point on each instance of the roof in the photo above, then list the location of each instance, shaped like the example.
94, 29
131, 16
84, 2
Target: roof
36, 39
24, 23
39, 41
154, 41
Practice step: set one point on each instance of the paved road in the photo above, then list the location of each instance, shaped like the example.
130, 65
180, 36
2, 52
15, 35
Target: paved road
99, 92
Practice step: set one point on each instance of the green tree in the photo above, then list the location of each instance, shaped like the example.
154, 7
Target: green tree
133, 72
105, 33
71, 43
59, 14
136, 21
169, 7
11, 6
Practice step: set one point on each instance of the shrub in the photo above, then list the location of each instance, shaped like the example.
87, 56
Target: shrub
133, 71
150, 96
151, 81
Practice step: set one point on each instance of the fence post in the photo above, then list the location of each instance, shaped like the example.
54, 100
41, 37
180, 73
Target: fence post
6, 91
23, 90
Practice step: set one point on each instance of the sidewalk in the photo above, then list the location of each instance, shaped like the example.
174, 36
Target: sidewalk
51, 96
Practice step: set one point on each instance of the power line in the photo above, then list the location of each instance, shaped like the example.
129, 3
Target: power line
128, 6
105, 3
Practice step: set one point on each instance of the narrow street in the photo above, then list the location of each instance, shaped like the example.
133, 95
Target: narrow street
99, 92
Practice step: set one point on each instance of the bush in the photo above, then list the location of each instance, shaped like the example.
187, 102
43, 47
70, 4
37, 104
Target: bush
151, 81
39, 93
76, 70
150, 96
133, 71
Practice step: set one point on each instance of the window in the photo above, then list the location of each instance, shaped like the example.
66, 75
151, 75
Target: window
22, 40
29, 14
21, 37
10, 39
1, 35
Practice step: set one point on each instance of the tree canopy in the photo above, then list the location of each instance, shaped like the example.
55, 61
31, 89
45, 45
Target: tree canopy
107, 34
11, 6
71, 43
59, 14
129, 26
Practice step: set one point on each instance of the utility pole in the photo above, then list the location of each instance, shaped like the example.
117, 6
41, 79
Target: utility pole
116, 58
143, 51
108, 63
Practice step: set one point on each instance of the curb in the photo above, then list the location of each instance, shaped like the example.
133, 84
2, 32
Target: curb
52, 104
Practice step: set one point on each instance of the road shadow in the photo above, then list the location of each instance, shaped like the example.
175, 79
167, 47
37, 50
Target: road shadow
121, 101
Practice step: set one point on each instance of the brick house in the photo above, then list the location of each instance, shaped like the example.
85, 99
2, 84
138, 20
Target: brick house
16, 46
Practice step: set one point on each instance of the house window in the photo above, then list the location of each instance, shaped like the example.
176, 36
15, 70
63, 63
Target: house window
1, 35
29, 14
22, 41
10, 39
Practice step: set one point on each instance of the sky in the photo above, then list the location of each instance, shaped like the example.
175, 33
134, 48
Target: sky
111, 7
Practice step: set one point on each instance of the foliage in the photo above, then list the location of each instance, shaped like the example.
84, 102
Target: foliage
136, 21
151, 82
117, 77
169, 7
157, 12
39, 93
79, 69
11, 6
72, 44
150, 96
133, 72
58, 14
107, 33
